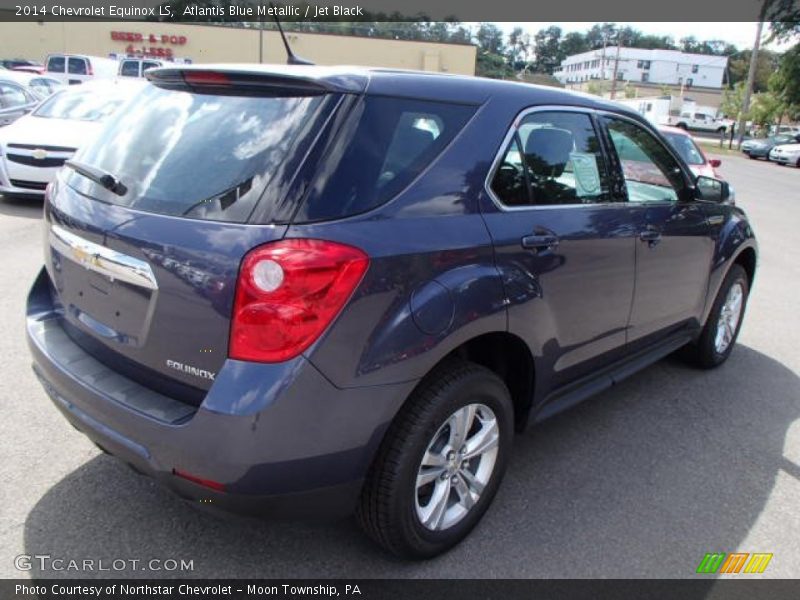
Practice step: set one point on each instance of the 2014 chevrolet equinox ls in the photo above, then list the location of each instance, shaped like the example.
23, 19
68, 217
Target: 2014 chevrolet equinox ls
326, 290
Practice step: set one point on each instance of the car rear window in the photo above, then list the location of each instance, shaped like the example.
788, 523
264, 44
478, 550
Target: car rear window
198, 155
386, 143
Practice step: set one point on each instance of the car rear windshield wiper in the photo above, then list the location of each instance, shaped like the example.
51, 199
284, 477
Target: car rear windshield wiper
100, 177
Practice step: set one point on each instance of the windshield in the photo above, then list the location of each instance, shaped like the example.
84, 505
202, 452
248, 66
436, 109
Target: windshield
197, 155
88, 105
686, 147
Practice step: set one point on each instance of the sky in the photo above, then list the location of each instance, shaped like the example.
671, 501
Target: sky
740, 34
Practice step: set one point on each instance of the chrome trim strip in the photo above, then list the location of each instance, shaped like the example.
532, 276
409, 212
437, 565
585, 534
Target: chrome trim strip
101, 259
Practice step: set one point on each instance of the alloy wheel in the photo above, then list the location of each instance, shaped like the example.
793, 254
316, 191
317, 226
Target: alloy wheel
729, 318
456, 467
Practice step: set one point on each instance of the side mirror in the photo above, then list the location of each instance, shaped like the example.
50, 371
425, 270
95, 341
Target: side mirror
714, 162
712, 190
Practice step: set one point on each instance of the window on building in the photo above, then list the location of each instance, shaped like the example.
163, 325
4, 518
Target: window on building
643, 64
645, 77
689, 82
695, 68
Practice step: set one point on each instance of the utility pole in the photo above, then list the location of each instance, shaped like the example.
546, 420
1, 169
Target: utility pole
603, 63
751, 75
616, 66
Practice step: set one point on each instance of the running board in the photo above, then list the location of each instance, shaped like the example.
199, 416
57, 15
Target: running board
575, 393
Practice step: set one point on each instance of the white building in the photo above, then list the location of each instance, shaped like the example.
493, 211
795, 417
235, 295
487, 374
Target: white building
638, 65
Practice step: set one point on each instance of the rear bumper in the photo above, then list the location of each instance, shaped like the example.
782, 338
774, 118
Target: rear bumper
280, 439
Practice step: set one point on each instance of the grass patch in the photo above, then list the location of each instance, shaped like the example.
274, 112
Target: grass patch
715, 149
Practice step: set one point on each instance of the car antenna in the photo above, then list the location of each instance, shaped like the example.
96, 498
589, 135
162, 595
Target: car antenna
291, 58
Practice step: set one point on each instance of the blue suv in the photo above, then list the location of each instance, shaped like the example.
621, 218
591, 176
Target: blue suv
321, 291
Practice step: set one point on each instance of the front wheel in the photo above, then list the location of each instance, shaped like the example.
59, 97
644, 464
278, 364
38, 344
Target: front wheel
441, 462
722, 327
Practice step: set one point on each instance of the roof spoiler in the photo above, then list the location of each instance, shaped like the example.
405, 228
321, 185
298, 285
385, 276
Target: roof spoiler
223, 81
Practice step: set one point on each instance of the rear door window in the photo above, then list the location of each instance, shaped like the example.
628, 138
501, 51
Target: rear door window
198, 155
56, 64
386, 143
77, 66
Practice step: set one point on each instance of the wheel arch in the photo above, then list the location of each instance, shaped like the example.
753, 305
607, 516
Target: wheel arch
507, 356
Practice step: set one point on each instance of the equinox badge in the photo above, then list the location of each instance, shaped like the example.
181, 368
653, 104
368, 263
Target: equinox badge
196, 371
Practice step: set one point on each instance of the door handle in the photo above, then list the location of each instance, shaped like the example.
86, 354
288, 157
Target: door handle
651, 236
539, 242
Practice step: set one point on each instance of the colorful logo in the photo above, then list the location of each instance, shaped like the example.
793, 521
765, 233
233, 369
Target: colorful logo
734, 563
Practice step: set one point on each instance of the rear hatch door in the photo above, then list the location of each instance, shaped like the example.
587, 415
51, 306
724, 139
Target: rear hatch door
145, 274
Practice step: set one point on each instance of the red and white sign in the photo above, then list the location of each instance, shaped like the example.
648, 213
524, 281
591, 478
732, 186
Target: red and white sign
136, 43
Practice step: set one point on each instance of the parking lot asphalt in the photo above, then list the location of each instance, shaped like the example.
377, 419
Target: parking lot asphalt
640, 481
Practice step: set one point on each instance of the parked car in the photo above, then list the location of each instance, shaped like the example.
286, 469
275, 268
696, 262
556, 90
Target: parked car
760, 147
347, 295
690, 152
20, 93
34, 148
78, 68
136, 67
786, 154
16, 63
785, 130
36, 70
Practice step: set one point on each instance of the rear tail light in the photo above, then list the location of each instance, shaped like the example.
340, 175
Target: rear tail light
288, 293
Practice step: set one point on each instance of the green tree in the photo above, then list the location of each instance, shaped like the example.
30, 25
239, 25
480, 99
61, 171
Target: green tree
766, 65
489, 38
547, 49
518, 48
732, 100
766, 108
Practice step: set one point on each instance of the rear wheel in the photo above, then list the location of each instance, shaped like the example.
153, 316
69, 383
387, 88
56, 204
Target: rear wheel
682, 126
722, 327
441, 462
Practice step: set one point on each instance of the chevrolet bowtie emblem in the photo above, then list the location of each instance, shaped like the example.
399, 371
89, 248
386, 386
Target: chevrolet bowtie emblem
39, 154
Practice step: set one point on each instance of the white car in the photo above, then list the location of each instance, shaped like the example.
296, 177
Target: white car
786, 154
35, 147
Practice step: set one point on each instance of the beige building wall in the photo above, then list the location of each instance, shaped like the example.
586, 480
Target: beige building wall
203, 43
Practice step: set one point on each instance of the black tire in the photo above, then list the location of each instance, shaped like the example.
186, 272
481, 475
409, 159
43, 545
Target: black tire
751, 157
703, 353
387, 511
682, 126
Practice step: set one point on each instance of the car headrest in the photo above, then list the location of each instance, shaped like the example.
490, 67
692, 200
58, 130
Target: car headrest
409, 144
547, 151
